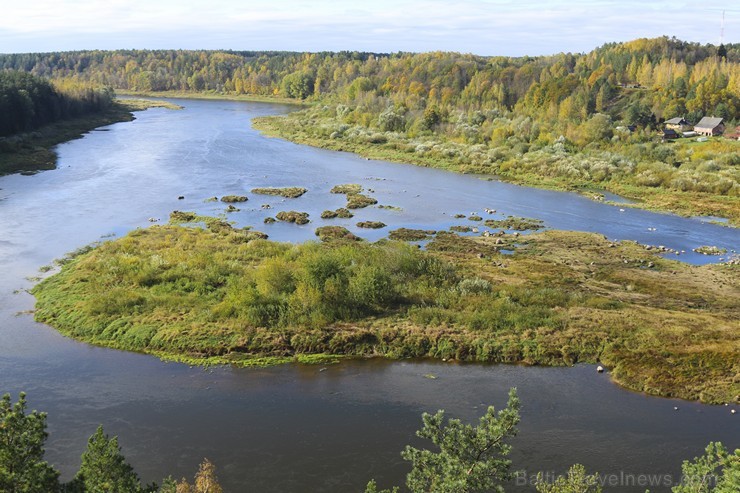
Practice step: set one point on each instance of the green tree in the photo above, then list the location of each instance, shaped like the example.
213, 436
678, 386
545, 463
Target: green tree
717, 471
576, 481
104, 469
298, 85
598, 128
469, 458
22, 436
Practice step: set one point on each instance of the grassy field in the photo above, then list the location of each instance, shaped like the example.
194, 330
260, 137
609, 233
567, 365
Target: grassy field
217, 295
34, 151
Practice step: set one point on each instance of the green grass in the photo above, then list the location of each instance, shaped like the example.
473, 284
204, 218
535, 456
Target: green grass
219, 295
331, 233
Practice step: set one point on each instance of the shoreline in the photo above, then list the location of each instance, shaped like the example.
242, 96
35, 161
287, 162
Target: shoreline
37, 148
657, 200
664, 201
213, 96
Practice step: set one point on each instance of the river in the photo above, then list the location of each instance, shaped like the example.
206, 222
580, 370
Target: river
299, 428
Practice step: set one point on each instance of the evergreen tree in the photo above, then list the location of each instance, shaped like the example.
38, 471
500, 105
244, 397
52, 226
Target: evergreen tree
470, 458
22, 437
104, 469
717, 471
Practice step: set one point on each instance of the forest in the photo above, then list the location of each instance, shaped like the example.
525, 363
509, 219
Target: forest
675, 78
28, 102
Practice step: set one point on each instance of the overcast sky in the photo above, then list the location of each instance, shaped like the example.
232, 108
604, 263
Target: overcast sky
484, 27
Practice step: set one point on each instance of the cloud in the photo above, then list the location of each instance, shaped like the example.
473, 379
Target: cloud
478, 26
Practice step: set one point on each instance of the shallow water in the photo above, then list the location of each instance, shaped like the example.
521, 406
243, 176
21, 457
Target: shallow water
297, 428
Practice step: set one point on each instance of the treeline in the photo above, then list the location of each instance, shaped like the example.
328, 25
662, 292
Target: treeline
28, 102
635, 81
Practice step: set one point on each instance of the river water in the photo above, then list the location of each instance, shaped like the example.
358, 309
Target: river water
306, 428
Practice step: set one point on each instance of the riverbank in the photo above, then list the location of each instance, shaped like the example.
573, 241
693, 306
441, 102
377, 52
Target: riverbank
316, 132
212, 296
536, 169
253, 98
34, 151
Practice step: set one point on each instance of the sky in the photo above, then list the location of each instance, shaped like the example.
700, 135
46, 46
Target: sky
483, 27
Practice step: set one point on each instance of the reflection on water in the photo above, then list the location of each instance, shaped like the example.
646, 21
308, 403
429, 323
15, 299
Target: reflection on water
295, 428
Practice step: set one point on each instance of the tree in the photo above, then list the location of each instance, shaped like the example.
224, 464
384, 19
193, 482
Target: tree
576, 481
722, 52
22, 437
598, 128
470, 458
104, 469
717, 471
205, 480
298, 85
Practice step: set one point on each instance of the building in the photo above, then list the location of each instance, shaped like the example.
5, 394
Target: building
670, 134
710, 126
678, 124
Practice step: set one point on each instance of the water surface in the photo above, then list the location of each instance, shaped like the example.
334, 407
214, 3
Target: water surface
297, 428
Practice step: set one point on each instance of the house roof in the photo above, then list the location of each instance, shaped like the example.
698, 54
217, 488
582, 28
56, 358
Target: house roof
676, 121
709, 122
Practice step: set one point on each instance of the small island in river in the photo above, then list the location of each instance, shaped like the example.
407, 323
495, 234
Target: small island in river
219, 294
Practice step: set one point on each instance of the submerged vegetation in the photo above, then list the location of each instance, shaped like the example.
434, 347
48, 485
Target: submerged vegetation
371, 224
287, 192
359, 201
515, 223
347, 189
233, 198
293, 217
216, 296
406, 234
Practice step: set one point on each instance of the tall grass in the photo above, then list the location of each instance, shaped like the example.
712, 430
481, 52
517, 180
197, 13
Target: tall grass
221, 295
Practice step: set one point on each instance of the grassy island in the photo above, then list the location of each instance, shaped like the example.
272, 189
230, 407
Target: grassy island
220, 295
287, 192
